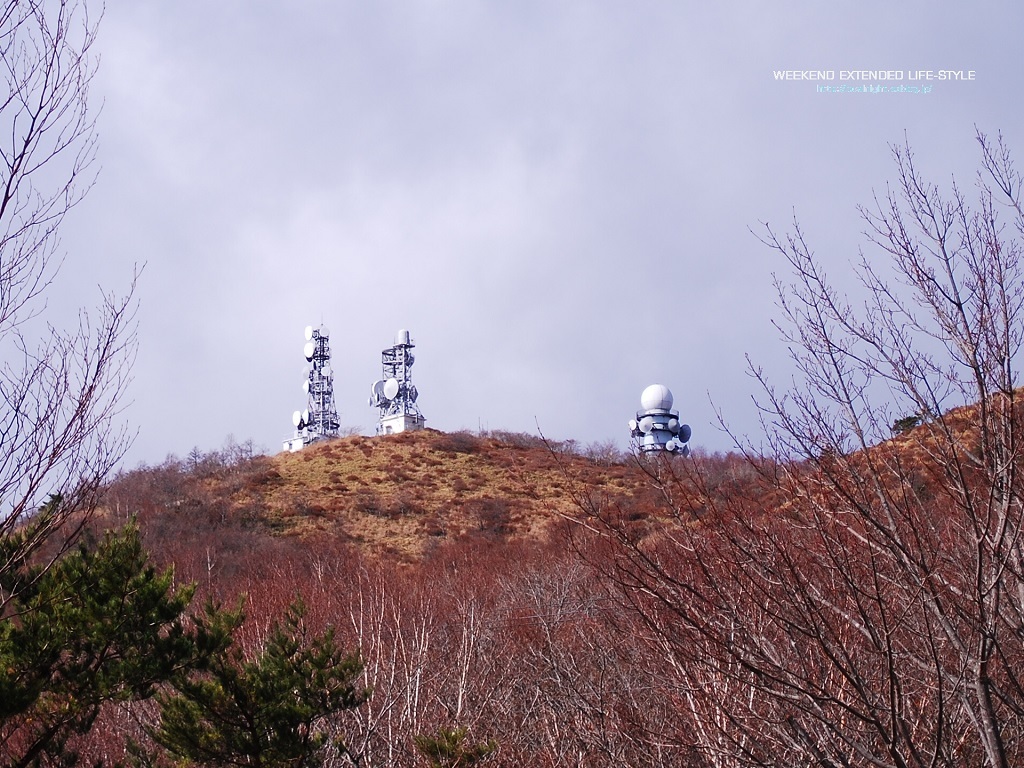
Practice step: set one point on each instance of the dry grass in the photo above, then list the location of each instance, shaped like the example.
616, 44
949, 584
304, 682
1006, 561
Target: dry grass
399, 494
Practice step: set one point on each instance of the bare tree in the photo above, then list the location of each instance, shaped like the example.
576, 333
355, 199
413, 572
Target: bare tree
60, 390
862, 603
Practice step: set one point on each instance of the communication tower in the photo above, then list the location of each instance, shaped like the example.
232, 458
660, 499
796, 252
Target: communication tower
656, 426
320, 419
395, 394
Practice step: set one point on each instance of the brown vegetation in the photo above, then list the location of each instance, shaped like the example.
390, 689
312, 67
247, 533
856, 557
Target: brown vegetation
450, 563
530, 594
393, 496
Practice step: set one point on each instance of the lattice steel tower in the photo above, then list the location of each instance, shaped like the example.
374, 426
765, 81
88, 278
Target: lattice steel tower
320, 419
395, 394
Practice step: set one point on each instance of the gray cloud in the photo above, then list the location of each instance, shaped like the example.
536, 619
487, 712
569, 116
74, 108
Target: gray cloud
555, 199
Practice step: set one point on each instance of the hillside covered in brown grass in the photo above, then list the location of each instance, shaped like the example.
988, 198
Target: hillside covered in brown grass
396, 496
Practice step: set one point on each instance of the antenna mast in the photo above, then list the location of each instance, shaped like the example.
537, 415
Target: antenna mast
395, 394
656, 426
320, 419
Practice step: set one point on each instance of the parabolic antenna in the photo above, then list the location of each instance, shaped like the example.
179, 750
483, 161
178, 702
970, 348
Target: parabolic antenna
377, 389
670, 445
684, 433
656, 397
305, 386
309, 332
325, 331
326, 370
390, 388
305, 416
646, 424
297, 418
673, 425
632, 424
308, 350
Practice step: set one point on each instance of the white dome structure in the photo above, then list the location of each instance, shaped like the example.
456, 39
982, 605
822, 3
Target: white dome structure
656, 397
656, 426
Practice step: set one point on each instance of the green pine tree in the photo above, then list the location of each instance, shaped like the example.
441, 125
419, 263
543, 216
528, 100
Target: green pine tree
99, 625
269, 711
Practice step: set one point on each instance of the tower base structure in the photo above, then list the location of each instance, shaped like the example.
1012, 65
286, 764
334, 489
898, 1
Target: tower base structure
400, 422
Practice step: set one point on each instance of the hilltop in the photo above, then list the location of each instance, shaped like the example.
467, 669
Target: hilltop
395, 496
399, 497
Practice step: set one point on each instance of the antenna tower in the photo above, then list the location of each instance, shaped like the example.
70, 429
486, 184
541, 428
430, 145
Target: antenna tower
656, 426
320, 418
395, 394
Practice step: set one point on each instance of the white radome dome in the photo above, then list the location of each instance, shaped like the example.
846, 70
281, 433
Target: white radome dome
656, 397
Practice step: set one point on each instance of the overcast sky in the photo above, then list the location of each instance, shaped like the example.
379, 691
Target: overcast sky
555, 198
